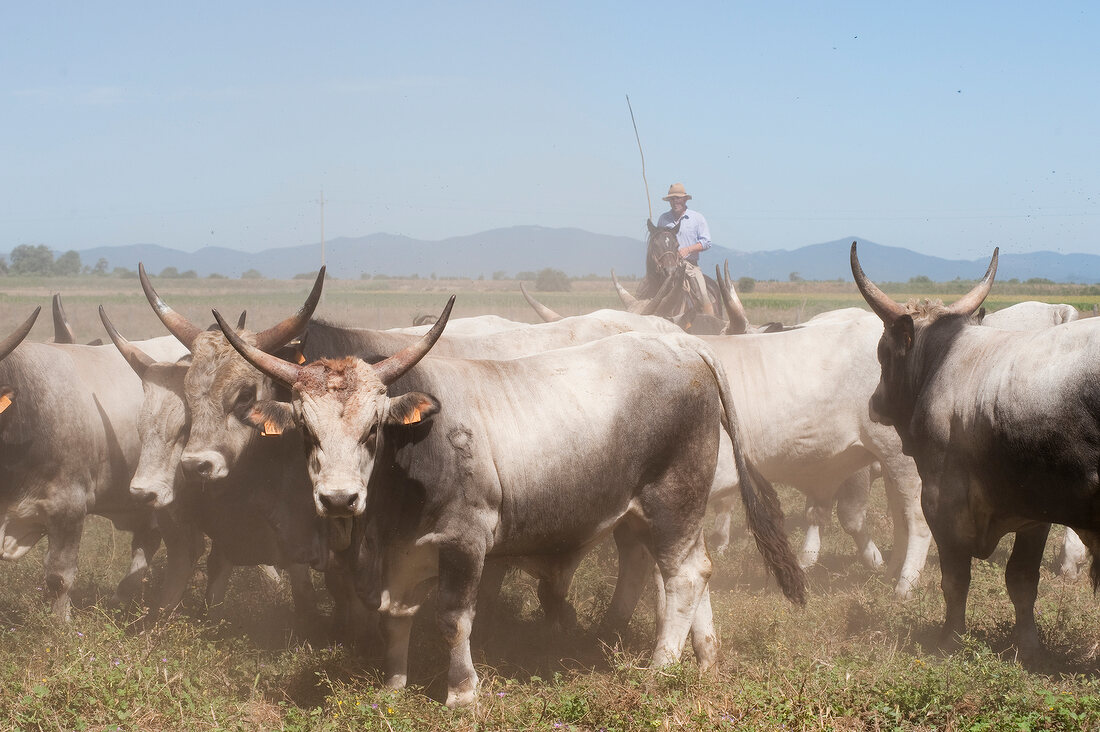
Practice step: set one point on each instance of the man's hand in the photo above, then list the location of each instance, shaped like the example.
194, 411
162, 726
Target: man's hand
687, 251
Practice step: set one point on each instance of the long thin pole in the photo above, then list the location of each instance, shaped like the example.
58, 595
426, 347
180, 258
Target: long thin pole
639, 139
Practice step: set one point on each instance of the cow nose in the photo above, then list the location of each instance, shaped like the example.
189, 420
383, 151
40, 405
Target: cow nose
340, 503
208, 465
141, 495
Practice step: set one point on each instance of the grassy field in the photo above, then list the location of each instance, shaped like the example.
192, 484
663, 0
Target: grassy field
853, 659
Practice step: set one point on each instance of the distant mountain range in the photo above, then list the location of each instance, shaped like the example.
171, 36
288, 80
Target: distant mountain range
578, 253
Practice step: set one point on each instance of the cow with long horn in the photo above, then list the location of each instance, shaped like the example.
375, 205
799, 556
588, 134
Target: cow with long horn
444, 467
1005, 430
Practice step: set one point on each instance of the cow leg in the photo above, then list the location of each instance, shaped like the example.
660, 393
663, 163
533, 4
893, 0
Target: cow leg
459, 575
1022, 580
1072, 555
60, 563
303, 593
955, 583
704, 639
912, 537
218, 571
723, 522
410, 575
635, 563
554, 591
685, 581
143, 546
817, 515
183, 545
488, 596
851, 510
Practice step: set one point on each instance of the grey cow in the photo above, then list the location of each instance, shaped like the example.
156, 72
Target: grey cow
68, 446
534, 458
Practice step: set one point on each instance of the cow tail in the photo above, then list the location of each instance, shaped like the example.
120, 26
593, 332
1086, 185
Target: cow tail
762, 510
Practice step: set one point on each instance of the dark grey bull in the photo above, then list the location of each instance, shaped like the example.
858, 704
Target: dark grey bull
68, 446
533, 458
264, 518
1005, 430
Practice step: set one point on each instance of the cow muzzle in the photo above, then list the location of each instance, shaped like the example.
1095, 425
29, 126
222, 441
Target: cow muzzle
152, 496
336, 502
206, 465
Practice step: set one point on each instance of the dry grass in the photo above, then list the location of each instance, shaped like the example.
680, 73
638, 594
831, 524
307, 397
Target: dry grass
853, 659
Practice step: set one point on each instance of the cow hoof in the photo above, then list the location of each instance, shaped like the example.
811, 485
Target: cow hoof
871, 557
461, 698
904, 589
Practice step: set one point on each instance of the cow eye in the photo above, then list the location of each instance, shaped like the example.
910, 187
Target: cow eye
370, 433
246, 396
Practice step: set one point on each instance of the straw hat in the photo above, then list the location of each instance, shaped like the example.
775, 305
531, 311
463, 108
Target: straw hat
676, 190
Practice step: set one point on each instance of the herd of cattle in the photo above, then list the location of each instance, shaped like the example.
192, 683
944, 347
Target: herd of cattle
438, 459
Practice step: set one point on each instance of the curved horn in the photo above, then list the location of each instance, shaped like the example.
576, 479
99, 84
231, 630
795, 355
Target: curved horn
182, 328
273, 366
972, 300
9, 344
547, 315
240, 320
139, 360
885, 308
739, 321
628, 300
395, 366
62, 331
282, 333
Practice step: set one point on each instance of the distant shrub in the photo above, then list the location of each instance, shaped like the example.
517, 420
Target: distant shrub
1038, 281
124, 274
169, 273
216, 276
251, 274
189, 274
746, 284
552, 280
526, 275
920, 280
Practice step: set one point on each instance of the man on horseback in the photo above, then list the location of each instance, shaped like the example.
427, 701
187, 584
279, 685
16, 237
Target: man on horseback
693, 236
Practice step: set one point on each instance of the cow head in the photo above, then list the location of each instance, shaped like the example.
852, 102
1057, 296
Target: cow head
894, 398
343, 410
163, 425
221, 390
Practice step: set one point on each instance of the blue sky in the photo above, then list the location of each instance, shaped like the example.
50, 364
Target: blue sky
946, 128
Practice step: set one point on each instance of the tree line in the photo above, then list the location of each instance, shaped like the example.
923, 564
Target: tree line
37, 260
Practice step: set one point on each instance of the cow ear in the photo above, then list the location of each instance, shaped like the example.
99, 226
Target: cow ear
271, 417
412, 408
7, 397
901, 335
980, 316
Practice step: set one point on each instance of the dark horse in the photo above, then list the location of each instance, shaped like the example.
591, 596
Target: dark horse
667, 288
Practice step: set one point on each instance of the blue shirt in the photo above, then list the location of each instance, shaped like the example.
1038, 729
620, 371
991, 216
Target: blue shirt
693, 228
